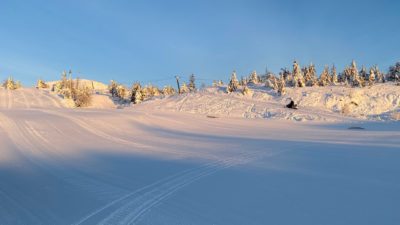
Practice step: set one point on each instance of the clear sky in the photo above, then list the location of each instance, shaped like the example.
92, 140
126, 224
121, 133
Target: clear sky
152, 41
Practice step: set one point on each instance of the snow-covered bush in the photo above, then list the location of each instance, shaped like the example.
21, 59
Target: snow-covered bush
168, 90
41, 84
10, 84
246, 91
82, 96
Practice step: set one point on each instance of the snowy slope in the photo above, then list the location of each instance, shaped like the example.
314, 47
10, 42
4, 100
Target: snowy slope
333, 103
139, 165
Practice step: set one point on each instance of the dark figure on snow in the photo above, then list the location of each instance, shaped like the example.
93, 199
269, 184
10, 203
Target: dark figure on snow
291, 105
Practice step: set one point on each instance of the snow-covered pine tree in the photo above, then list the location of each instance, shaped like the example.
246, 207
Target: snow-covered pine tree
233, 83
354, 75
112, 88
138, 97
168, 90
334, 75
371, 77
271, 81
192, 83
363, 73
121, 91
394, 73
10, 84
41, 84
184, 88
254, 78
281, 85
379, 77
243, 81
135, 88
324, 78
298, 79
287, 76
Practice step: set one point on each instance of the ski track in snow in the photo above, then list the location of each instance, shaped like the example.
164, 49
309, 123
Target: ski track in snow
33, 121
132, 206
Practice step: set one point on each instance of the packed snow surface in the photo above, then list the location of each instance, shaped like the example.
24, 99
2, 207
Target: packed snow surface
194, 159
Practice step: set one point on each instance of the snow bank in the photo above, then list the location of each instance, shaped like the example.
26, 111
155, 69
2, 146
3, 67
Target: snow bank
332, 103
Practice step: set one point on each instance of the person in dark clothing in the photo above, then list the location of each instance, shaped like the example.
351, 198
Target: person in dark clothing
291, 105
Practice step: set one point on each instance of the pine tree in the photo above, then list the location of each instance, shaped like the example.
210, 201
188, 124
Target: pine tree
253, 78
324, 78
371, 77
334, 75
233, 83
298, 79
354, 75
281, 85
394, 72
135, 88
112, 88
138, 95
168, 90
192, 85
184, 88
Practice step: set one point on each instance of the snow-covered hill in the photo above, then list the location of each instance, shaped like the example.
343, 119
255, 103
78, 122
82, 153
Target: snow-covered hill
332, 103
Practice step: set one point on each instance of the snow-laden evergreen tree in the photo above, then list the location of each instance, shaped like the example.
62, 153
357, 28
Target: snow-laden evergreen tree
363, 73
113, 88
287, 76
354, 75
379, 77
243, 81
10, 84
121, 91
254, 78
233, 83
298, 79
136, 87
394, 73
138, 97
168, 90
281, 85
192, 83
324, 78
184, 88
371, 77
334, 76
271, 81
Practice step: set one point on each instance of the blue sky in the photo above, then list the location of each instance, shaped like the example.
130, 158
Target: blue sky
152, 41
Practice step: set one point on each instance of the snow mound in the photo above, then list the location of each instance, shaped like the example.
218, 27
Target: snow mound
86, 83
331, 103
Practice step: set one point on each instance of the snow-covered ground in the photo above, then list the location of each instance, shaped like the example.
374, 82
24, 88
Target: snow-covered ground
333, 103
194, 159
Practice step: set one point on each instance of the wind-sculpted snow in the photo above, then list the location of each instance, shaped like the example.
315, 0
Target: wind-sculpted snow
142, 165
